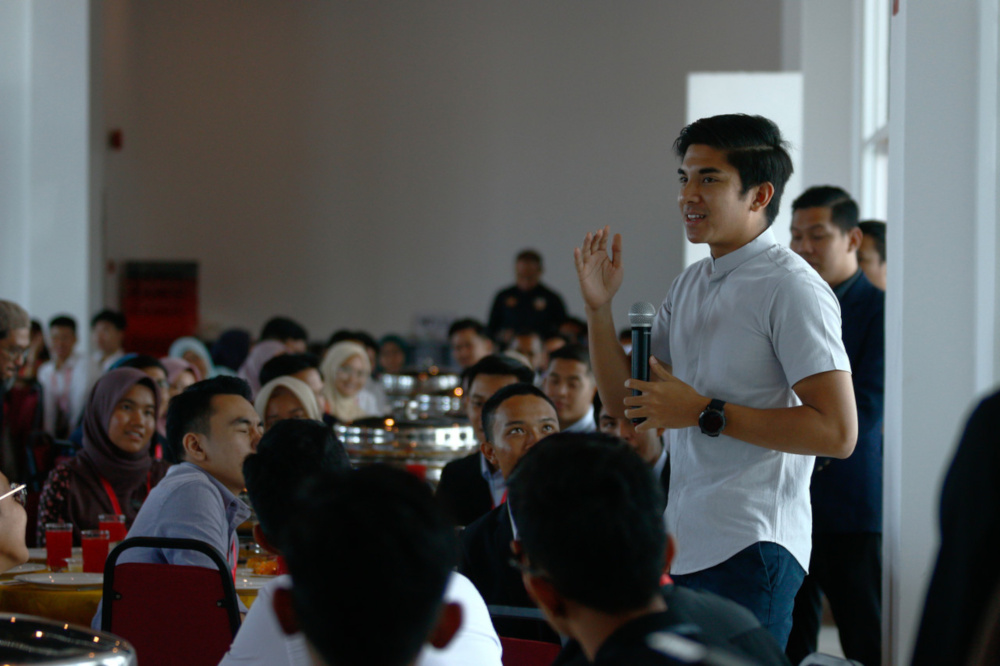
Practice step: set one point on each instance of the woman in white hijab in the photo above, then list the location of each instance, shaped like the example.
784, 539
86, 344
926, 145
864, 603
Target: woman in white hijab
346, 368
286, 398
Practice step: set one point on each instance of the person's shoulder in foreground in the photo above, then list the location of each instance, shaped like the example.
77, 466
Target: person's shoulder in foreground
402, 554
591, 547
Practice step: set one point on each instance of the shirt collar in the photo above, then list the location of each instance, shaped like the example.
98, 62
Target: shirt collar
726, 264
585, 424
841, 289
660, 463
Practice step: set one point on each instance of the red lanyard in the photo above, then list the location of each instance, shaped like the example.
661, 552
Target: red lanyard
115, 504
502, 499
236, 556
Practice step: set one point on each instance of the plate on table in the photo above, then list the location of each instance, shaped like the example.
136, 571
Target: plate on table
76, 580
39, 554
252, 582
27, 567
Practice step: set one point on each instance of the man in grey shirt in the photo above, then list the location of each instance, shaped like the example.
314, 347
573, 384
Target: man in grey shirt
211, 428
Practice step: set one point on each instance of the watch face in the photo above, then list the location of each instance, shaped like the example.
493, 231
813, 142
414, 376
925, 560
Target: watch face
712, 421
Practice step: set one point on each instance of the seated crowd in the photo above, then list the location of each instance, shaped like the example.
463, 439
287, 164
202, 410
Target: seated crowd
601, 519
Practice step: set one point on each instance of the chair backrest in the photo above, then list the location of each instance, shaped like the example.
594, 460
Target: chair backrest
172, 614
522, 652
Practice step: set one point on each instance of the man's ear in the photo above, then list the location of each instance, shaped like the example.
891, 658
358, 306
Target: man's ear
761, 196
490, 453
855, 237
258, 536
448, 623
194, 449
284, 611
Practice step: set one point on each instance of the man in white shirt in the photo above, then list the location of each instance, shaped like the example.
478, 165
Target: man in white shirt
108, 331
65, 380
291, 452
750, 373
569, 382
371, 557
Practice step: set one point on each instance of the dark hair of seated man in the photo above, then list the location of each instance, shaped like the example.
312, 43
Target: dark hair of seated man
191, 411
285, 365
290, 452
592, 547
370, 554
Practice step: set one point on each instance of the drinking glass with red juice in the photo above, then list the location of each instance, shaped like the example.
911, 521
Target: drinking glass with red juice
58, 545
95, 550
114, 523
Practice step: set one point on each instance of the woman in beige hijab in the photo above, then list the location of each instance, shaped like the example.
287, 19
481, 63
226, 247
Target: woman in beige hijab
346, 368
286, 398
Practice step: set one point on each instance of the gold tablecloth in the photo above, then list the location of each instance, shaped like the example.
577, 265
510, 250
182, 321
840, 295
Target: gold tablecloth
76, 606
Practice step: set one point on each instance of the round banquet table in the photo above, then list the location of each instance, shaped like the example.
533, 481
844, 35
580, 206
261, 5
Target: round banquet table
68, 604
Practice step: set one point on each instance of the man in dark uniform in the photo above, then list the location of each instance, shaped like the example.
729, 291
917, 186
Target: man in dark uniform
528, 305
846, 494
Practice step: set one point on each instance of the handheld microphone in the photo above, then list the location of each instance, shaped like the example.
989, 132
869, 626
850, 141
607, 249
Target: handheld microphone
640, 318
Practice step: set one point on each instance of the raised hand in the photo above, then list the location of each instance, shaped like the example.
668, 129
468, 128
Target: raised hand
600, 276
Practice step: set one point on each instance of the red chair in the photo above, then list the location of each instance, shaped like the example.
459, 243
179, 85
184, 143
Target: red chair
173, 614
522, 652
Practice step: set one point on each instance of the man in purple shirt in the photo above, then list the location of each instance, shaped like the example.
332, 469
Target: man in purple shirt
211, 428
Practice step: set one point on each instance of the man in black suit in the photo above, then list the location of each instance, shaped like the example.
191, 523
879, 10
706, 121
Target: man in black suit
592, 547
648, 443
514, 419
471, 486
846, 563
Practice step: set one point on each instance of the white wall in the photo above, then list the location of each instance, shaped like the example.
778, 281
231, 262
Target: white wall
349, 164
941, 327
829, 51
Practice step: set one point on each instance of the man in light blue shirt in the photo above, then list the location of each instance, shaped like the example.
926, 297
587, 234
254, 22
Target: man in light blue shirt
211, 428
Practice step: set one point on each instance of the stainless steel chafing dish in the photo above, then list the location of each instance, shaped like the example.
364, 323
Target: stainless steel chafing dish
32, 640
407, 408
429, 382
427, 444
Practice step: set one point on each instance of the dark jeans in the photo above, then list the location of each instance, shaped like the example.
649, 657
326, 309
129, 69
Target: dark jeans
848, 569
763, 577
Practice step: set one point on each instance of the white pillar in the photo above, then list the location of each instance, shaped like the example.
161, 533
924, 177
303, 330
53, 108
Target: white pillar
940, 319
50, 243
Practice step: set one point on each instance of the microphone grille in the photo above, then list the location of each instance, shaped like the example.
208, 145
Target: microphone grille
641, 314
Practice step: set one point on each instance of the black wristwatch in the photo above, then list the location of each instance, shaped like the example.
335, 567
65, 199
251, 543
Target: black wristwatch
713, 420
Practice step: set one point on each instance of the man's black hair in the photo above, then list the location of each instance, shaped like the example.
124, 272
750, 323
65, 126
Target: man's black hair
366, 339
571, 352
282, 329
499, 365
589, 515
529, 255
502, 396
843, 209
65, 321
468, 323
875, 229
753, 146
287, 364
288, 454
113, 317
140, 362
355, 541
344, 335
191, 411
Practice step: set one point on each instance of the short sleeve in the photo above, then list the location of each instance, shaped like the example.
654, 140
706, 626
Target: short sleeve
804, 323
